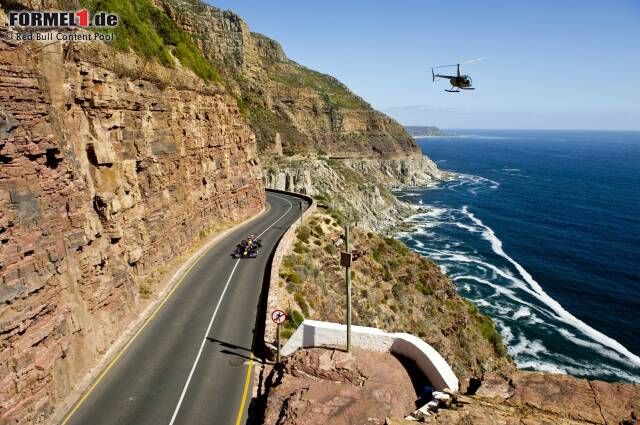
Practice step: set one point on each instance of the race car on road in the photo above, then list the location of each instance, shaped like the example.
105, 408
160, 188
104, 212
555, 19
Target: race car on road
247, 248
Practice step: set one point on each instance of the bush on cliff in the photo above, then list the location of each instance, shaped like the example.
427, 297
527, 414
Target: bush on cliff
150, 33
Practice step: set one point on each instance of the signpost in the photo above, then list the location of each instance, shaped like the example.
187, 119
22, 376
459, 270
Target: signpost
300, 212
278, 317
345, 261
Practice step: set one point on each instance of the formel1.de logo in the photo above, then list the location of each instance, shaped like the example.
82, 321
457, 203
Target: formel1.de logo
61, 19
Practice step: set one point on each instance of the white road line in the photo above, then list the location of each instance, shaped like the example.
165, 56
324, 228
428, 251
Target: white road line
281, 217
204, 340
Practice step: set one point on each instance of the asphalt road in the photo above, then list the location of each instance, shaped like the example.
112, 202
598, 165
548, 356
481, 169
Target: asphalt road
190, 363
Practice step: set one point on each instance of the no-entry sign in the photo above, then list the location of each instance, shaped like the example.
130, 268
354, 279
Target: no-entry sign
278, 316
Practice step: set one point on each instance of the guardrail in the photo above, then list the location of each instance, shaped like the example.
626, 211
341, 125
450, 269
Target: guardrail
312, 333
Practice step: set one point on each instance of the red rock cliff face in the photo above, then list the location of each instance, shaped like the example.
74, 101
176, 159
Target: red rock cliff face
102, 180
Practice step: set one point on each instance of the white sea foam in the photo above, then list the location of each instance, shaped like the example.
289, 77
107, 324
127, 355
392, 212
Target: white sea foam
522, 312
596, 347
568, 318
498, 288
530, 348
505, 331
542, 366
525, 352
580, 368
471, 229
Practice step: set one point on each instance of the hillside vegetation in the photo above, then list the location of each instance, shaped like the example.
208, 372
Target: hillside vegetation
393, 289
150, 33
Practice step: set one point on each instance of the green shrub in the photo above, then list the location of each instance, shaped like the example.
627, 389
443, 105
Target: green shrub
299, 248
338, 217
304, 233
286, 332
317, 229
301, 302
425, 288
488, 330
394, 264
145, 292
377, 255
297, 317
387, 275
397, 246
330, 248
294, 278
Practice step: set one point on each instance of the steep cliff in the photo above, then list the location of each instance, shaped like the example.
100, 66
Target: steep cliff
359, 188
312, 131
287, 104
110, 167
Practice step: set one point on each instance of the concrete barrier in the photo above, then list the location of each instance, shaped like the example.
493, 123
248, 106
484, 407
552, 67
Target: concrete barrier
312, 333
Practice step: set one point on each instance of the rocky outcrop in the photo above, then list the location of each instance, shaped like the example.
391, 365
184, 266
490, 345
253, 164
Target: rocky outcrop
544, 398
324, 386
104, 178
357, 187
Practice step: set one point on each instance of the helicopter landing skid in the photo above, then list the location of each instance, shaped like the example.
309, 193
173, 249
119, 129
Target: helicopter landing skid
452, 91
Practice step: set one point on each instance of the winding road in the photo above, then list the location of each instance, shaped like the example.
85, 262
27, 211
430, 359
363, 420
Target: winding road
191, 363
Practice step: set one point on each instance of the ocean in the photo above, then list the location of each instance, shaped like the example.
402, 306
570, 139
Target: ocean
541, 230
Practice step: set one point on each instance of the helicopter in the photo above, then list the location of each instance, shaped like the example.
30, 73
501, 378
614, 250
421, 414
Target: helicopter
457, 81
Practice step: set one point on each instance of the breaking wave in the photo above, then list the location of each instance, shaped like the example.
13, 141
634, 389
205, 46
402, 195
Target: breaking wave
539, 332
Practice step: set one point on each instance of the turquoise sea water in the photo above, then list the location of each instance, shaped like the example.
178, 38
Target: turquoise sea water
541, 230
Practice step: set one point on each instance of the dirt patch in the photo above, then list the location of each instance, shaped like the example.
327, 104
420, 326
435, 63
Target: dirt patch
327, 386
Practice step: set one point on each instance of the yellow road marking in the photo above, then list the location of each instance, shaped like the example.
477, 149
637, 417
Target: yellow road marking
144, 325
245, 392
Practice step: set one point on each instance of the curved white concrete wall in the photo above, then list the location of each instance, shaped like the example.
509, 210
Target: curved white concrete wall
312, 333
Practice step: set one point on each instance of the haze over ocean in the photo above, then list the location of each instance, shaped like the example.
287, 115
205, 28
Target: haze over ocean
542, 231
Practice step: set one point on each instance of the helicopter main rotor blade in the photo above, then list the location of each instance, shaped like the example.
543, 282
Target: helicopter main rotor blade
473, 60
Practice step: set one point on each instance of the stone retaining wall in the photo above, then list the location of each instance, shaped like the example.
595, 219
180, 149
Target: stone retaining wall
283, 248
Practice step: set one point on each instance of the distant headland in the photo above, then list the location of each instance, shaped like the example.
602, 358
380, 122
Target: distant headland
424, 131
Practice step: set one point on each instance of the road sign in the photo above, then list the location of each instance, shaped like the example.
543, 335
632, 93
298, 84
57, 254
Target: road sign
345, 259
278, 316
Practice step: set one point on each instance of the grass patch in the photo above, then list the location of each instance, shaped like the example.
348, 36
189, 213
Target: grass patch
334, 93
488, 330
145, 291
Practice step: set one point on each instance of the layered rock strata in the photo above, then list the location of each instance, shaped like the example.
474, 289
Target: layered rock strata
104, 179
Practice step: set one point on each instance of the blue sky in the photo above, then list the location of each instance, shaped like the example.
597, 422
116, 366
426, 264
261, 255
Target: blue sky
548, 64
